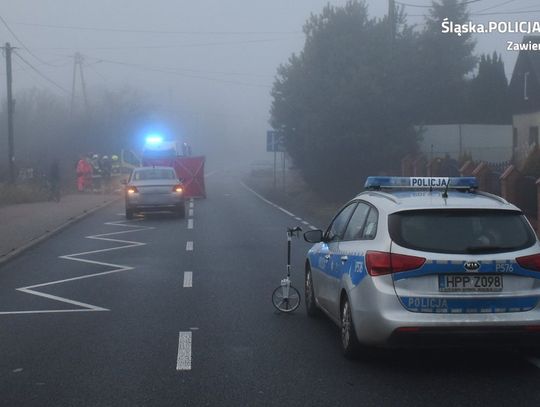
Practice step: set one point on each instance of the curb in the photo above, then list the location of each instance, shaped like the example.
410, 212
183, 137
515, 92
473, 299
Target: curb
16, 252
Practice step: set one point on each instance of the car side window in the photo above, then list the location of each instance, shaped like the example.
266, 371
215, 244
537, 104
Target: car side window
356, 224
370, 228
336, 229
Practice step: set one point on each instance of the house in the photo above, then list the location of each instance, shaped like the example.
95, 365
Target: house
525, 100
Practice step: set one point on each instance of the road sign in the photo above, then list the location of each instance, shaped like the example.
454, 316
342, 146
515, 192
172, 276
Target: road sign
274, 141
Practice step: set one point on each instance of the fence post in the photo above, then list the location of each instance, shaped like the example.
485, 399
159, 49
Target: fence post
510, 180
467, 169
407, 166
420, 166
483, 174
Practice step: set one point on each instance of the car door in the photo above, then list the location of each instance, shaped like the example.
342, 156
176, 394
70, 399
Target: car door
349, 249
326, 269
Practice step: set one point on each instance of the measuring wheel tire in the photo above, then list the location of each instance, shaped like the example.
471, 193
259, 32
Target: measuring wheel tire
349, 341
286, 304
311, 305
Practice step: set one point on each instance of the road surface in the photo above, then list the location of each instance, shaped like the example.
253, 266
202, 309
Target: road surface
160, 311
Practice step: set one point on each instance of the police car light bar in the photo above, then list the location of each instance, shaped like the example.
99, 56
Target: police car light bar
466, 183
154, 139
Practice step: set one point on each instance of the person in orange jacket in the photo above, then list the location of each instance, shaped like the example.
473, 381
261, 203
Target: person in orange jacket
84, 174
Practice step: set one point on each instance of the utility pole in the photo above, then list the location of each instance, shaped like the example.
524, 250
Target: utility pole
78, 60
11, 144
83, 83
392, 20
73, 84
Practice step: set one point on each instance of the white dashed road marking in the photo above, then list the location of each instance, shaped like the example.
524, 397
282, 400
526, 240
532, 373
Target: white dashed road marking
191, 213
190, 224
188, 279
117, 268
183, 360
189, 246
191, 205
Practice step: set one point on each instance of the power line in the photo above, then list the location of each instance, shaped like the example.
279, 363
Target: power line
498, 13
177, 69
21, 42
494, 13
495, 6
146, 31
430, 6
40, 73
135, 47
172, 71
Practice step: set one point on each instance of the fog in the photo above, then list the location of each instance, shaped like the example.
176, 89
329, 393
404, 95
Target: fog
206, 68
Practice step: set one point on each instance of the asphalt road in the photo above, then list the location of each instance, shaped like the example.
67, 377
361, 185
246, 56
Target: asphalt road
130, 313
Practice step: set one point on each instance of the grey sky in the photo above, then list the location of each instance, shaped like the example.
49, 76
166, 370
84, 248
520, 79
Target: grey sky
213, 63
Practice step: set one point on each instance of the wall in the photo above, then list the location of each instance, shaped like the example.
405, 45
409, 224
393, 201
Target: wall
522, 123
491, 143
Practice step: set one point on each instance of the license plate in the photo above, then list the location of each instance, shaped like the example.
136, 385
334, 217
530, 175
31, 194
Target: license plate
470, 283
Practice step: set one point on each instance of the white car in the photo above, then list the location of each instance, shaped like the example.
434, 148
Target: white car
426, 261
154, 189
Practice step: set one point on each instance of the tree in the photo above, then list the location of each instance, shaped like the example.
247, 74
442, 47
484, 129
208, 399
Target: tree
447, 60
44, 129
339, 103
488, 101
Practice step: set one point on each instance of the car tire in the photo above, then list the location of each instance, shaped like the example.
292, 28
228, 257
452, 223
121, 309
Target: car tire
181, 211
309, 294
349, 341
129, 214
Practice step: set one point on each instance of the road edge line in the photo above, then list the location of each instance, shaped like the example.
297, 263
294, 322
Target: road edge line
286, 212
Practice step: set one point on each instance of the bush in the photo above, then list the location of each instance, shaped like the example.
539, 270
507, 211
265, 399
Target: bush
22, 193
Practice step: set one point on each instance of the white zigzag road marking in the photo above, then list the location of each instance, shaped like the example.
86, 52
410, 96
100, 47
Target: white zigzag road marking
117, 268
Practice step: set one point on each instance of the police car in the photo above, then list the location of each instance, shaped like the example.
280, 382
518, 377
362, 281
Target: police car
426, 261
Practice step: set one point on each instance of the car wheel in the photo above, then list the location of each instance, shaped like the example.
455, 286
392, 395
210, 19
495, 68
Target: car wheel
311, 305
349, 342
181, 211
129, 214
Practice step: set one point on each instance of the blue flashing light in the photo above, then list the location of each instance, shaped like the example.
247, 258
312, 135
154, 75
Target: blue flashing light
154, 139
466, 183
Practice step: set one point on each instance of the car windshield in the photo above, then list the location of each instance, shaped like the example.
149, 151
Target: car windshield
461, 231
154, 174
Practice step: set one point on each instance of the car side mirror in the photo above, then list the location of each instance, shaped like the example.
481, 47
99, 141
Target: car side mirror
314, 236
181, 180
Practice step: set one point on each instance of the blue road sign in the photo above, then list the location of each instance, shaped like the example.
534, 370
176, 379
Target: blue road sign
274, 141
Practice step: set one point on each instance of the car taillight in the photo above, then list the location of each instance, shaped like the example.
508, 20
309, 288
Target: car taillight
177, 188
530, 262
381, 263
132, 190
